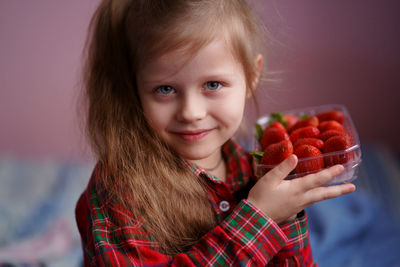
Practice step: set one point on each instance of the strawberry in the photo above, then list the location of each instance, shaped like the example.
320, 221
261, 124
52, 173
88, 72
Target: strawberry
288, 120
335, 144
277, 125
330, 125
331, 115
273, 135
329, 133
318, 143
308, 165
309, 131
309, 121
276, 153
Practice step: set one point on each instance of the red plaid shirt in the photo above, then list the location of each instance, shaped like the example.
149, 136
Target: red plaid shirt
244, 236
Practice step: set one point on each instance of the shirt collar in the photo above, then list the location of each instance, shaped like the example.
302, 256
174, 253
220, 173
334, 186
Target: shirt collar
238, 164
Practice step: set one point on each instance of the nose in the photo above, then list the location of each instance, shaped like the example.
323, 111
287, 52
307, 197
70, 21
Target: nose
192, 108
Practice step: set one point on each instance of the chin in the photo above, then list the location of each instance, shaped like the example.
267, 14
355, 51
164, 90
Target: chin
195, 154
194, 157
198, 150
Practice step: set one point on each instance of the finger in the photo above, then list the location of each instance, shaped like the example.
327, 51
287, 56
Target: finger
320, 178
324, 193
282, 170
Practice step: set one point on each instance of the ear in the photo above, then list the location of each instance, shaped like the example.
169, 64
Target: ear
259, 62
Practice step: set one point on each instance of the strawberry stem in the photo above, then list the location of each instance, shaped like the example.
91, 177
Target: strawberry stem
259, 131
305, 116
278, 116
257, 155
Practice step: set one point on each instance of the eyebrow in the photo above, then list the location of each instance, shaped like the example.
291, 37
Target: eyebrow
210, 77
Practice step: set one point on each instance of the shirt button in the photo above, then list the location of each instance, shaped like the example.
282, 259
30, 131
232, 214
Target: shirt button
224, 205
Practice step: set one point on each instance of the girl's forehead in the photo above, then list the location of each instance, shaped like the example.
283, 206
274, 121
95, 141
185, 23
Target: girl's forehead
185, 43
210, 53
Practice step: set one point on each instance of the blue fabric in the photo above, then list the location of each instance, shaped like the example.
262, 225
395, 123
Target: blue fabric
353, 231
37, 220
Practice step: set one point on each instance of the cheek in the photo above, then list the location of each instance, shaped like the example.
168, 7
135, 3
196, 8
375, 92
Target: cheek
231, 111
157, 116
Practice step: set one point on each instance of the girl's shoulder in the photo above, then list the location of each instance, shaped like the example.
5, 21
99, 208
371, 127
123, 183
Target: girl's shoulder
239, 165
233, 148
101, 206
103, 224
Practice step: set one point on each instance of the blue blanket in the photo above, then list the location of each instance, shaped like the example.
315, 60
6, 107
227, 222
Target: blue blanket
363, 228
354, 231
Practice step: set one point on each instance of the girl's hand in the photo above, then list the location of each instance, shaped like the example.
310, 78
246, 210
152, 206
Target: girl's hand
282, 199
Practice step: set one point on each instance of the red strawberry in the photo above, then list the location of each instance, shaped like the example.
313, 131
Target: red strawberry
330, 125
331, 115
287, 120
309, 121
308, 165
337, 143
273, 135
318, 143
309, 131
277, 125
290, 120
276, 153
329, 133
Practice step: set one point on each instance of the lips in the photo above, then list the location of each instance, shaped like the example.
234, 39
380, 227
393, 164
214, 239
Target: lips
193, 135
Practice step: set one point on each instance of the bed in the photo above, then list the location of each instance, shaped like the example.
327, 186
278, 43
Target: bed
37, 224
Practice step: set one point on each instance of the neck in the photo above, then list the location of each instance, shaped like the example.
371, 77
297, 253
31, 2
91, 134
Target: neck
219, 168
214, 165
217, 164
220, 172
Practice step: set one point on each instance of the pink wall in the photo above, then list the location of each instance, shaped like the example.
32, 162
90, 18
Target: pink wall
343, 52
39, 69
332, 52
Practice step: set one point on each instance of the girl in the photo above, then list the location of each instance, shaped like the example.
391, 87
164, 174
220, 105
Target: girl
166, 85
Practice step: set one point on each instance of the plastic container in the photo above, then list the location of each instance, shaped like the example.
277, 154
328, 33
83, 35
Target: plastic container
354, 152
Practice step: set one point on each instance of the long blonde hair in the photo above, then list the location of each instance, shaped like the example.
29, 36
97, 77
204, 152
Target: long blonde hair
143, 174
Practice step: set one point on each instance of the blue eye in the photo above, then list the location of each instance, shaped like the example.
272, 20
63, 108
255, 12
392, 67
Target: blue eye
213, 85
165, 90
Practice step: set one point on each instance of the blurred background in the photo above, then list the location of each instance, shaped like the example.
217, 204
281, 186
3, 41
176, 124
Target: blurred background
326, 52
343, 52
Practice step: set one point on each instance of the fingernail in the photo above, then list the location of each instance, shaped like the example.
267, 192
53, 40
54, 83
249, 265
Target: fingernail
353, 188
339, 168
293, 159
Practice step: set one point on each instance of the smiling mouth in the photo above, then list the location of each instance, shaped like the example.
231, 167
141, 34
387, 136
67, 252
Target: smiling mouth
193, 135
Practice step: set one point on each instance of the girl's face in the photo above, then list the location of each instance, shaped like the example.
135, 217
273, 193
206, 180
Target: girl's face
194, 105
